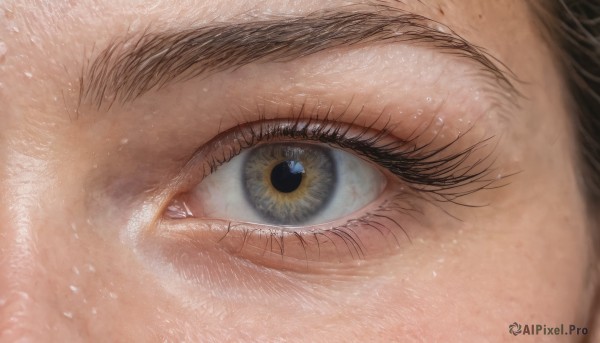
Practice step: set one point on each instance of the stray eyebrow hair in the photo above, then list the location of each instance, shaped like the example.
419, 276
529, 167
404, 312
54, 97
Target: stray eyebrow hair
131, 66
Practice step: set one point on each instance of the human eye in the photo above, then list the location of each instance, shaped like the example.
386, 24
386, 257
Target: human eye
288, 184
306, 192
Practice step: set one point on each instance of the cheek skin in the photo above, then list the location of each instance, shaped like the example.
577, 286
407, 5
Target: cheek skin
68, 273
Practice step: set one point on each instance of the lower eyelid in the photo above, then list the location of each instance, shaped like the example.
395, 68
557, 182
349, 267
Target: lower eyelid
379, 230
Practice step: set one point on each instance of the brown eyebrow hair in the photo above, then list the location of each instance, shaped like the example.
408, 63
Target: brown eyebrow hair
131, 66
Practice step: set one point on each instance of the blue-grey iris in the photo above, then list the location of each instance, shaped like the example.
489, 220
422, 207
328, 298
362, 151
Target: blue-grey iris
287, 183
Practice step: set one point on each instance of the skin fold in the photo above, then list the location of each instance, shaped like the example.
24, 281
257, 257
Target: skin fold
87, 254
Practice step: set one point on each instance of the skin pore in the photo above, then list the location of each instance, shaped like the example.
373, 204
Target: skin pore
87, 251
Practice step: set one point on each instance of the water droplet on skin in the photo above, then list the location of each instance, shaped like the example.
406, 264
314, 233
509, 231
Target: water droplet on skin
94, 311
454, 241
428, 99
2, 302
35, 40
28, 75
23, 295
434, 273
68, 315
75, 270
440, 28
113, 295
439, 121
91, 268
74, 288
124, 141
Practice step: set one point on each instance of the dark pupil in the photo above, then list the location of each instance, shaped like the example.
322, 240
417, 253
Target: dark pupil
286, 177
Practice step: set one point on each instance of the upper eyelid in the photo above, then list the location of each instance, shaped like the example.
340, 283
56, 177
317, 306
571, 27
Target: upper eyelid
130, 67
439, 171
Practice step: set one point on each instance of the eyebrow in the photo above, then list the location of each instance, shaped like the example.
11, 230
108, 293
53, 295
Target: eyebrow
131, 66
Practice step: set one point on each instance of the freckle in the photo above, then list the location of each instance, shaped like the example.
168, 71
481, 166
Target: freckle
3, 50
68, 315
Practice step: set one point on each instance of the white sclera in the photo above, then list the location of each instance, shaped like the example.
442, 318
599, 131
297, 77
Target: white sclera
222, 196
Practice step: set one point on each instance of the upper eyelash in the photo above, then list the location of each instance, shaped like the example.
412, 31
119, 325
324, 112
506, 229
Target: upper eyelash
444, 176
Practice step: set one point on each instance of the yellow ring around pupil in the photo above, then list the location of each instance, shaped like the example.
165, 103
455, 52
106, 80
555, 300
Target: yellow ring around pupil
280, 197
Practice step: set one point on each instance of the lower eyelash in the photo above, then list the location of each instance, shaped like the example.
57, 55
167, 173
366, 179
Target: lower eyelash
376, 233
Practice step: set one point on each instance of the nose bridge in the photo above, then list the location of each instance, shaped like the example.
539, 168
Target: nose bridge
26, 303
17, 251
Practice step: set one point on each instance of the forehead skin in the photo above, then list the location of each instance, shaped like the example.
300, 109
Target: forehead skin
65, 276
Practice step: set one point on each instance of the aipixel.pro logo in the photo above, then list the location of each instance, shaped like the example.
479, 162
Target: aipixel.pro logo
543, 329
